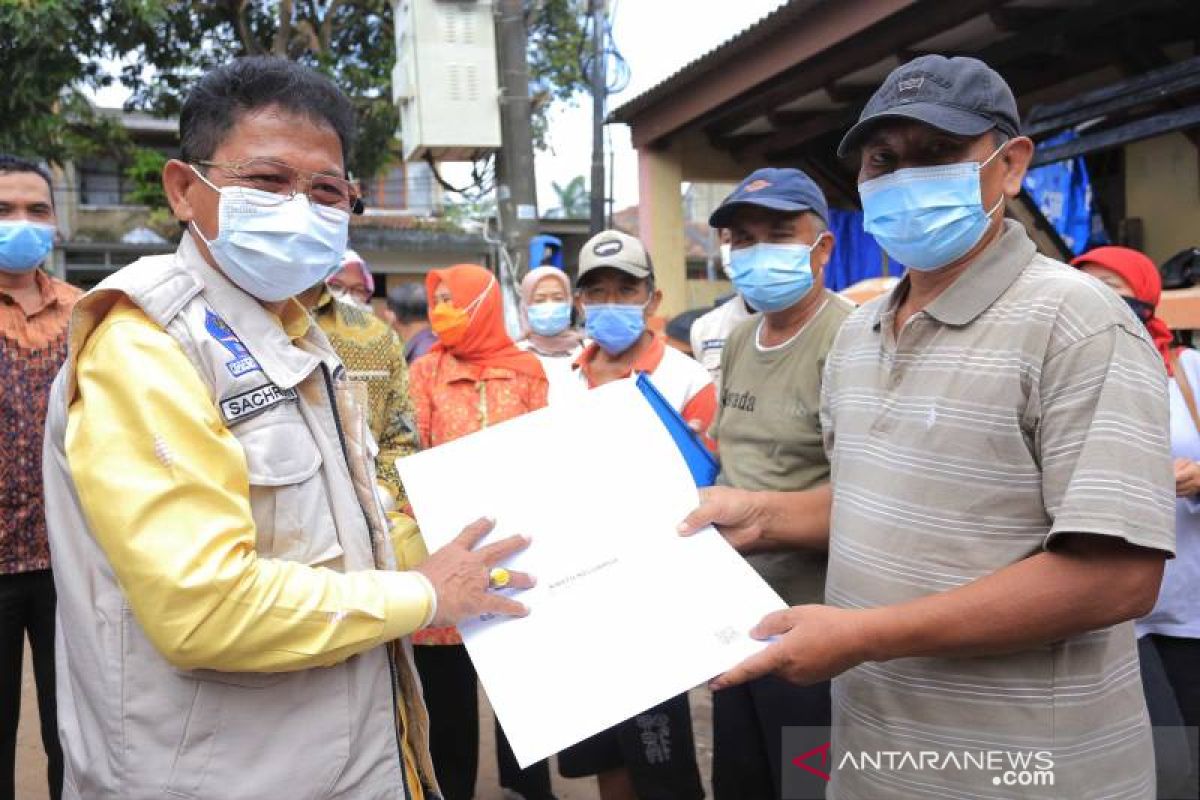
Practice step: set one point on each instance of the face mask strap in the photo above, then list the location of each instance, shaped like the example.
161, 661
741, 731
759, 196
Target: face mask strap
983, 164
999, 203
995, 153
474, 305
204, 178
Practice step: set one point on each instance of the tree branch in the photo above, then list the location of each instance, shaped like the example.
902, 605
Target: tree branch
249, 43
283, 34
327, 26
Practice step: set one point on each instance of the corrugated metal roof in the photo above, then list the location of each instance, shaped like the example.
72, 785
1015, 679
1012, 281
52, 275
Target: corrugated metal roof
751, 36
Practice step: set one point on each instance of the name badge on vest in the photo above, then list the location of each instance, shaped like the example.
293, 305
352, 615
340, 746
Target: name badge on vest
242, 362
249, 404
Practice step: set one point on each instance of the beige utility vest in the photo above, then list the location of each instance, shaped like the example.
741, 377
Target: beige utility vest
133, 726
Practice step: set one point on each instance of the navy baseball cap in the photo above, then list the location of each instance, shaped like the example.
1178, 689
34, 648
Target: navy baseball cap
775, 188
959, 95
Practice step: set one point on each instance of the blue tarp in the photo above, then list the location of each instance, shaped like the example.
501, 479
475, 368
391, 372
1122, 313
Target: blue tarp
537, 250
1063, 193
856, 256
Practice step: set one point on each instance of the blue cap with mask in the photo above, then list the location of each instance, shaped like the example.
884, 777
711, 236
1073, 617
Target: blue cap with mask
776, 189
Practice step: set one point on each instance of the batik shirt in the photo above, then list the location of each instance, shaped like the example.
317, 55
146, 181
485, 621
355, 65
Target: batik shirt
32, 348
374, 355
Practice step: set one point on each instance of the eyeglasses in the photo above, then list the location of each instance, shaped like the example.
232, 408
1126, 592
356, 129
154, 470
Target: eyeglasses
341, 292
283, 182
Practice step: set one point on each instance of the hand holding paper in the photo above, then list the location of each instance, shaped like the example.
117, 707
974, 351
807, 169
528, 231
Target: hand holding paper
459, 574
626, 613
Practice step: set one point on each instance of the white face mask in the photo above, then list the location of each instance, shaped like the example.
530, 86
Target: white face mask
342, 296
271, 248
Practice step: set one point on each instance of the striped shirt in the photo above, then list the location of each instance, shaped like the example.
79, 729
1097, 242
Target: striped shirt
1025, 402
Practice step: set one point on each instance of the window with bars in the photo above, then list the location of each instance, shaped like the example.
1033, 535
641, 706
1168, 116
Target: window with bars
401, 187
102, 182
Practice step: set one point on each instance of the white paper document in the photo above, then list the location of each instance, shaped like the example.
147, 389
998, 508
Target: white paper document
626, 613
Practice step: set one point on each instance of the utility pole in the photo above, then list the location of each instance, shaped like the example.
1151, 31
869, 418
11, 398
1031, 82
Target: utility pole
599, 79
516, 187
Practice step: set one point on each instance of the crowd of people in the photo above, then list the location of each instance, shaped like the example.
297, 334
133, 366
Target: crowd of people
963, 490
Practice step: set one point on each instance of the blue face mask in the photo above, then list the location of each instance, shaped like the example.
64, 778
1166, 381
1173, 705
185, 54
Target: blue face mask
927, 217
615, 326
549, 319
24, 244
274, 249
772, 277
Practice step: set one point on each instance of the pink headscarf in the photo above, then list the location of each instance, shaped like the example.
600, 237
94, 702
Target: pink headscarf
561, 343
352, 261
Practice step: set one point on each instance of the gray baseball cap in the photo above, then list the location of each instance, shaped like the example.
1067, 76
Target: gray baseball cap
959, 95
617, 250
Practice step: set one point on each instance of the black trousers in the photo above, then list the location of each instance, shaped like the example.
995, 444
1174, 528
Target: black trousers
748, 722
657, 747
27, 607
1171, 680
450, 686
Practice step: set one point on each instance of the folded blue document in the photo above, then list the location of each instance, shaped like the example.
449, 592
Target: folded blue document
700, 461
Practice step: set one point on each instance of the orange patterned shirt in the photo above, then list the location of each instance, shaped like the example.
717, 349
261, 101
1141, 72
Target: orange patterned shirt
32, 348
453, 399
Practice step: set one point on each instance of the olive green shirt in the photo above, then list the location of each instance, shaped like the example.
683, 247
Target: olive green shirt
768, 429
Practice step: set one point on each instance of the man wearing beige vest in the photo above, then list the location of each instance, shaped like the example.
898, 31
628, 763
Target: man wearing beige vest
232, 613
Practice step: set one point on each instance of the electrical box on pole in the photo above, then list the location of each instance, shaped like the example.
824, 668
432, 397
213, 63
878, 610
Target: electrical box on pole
445, 79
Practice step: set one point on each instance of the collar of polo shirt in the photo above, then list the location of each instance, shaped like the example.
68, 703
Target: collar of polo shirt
985, 279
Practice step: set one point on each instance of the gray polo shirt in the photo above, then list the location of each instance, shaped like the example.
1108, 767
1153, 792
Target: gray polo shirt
1025, 402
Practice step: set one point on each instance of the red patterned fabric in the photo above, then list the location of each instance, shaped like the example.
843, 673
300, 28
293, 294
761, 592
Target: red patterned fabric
32, 348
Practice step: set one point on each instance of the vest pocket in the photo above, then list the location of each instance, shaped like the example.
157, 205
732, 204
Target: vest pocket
200, 729
288, 496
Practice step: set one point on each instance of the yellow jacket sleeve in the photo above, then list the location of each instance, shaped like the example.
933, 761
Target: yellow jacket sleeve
407, 541
165, 489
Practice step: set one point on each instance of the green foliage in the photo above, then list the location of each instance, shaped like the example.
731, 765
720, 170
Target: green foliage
557, 45
51, 52
352, 41
145, 173
476, 211
54, 50
573, 199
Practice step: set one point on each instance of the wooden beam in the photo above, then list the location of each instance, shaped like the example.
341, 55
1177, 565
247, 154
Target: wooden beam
785, 118
738, 144
1049, 242
851, 92
839, 185
1147, 88
1060, 34
843, 56
1018, 20
779, 143
745, 69
1123, 134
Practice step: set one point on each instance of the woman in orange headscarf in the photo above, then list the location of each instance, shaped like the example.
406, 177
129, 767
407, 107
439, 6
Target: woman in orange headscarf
472, 378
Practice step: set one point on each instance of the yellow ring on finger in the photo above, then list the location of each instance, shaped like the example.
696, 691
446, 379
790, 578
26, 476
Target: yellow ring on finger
498, 578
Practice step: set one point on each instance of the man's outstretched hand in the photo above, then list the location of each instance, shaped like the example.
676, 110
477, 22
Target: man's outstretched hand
460, 576
735, 514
